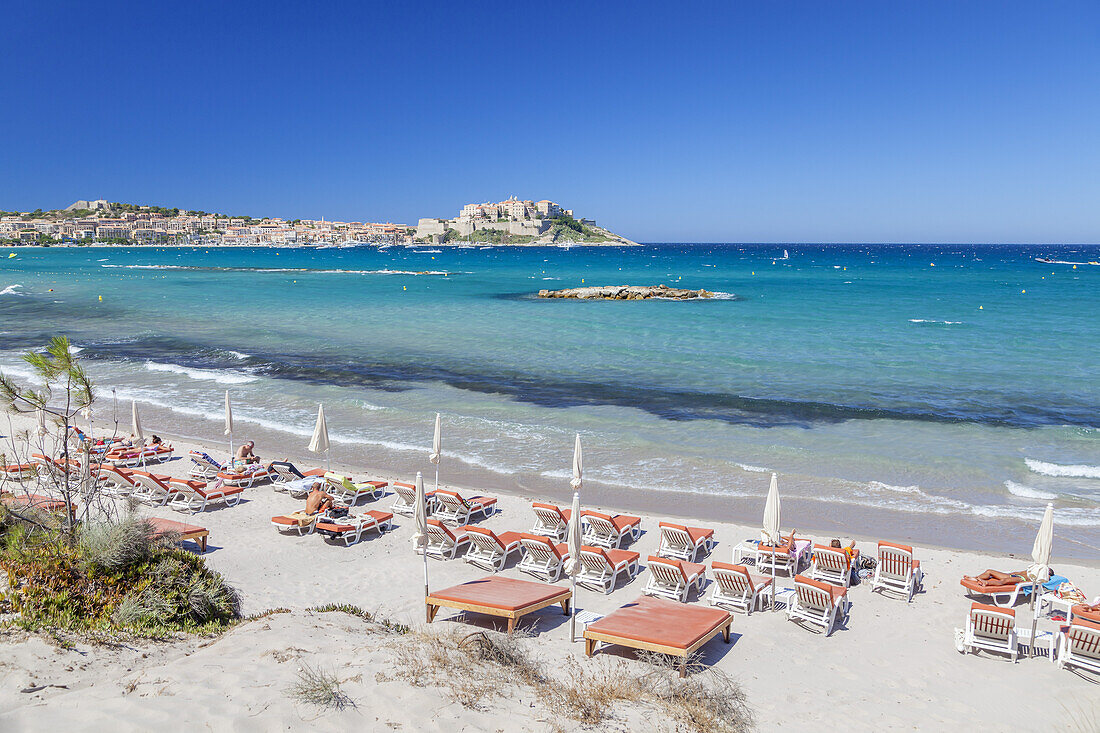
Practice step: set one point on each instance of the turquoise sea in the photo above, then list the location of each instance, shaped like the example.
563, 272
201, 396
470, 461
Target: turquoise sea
942, 394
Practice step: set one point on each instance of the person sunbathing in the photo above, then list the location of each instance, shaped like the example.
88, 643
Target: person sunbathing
245, 454
994, 577
318, 501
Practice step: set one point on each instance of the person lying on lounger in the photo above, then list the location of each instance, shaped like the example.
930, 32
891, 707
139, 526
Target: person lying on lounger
994, 577
318, 501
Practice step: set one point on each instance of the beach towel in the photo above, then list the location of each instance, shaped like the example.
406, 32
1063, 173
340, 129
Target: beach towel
302, 518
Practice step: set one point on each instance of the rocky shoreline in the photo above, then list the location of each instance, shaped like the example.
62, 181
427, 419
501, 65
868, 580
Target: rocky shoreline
626, 292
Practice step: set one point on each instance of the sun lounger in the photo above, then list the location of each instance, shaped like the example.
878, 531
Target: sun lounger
203, 466
542, 558
196, 534
405, 499
244, 478
659, 625
550, 521
195, 496
831, 565
897, 570
151, 488
498, 596
138, 456
736, 587
674, 579
17, 470
116, 481
285, 472
489, 550
350, 529
605, 530
1005, 595
455, 509
1082, 611
684, 543
785, 558
299, 523
443, 542
601, 568
818, 604
347, 493
989, 628
39, 502
1078, 646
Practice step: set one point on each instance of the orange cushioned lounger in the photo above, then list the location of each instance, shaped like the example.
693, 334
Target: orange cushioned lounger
498, 596
659, 625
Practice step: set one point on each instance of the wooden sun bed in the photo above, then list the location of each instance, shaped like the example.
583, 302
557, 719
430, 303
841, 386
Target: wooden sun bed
497, 596
185, 531
659, 625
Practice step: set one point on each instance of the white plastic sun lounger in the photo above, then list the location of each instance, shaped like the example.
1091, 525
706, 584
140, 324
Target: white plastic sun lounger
542, 558
404, 501
607, 531
489, 550
673, 579
454, 509
897, 570
601, 568
445, 543
1079, 646
992, 629
818, 604
684, 543
736, 587
550, 521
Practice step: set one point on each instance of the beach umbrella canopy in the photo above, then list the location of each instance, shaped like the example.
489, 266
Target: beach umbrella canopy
228, 415
40, 416
771, 514
136, 422
771, 524
319, 443
1040, 553
420, 525
437, 442
573, 534
1044, 542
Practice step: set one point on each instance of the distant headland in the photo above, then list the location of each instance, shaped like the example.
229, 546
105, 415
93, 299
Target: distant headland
100, 222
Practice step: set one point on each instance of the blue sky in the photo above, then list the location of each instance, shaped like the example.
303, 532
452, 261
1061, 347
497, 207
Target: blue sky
737, 121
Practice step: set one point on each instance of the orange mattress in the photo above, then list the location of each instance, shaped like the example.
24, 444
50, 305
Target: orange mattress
505, 594
164, 526
659, 621
987, 588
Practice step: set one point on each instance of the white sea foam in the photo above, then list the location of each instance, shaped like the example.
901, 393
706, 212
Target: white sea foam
12, 290
216, 375
1028, 492
896, 489
719, 295
932, 320
751, 468
1063, 471
237, 354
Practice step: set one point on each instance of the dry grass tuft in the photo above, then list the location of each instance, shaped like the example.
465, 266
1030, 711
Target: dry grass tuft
476, 668
318, 687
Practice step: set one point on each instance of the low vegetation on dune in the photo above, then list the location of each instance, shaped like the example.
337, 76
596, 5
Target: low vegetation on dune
115, 577
474, 668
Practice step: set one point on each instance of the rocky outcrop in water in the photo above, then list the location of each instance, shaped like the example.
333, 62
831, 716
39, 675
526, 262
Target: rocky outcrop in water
626, 292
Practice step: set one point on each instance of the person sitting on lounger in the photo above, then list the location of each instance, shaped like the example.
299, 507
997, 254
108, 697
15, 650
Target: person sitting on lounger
245, 456
318, 501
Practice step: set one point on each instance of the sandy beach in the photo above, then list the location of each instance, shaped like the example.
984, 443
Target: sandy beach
893, 667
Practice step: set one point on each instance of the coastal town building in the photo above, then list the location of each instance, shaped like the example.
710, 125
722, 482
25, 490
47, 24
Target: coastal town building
102, 221
511, 216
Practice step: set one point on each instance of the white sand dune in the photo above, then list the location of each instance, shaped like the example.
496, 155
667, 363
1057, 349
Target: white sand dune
894, 667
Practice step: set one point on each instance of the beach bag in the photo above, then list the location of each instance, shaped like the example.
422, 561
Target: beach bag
867, 563
1070, 592
338, 511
